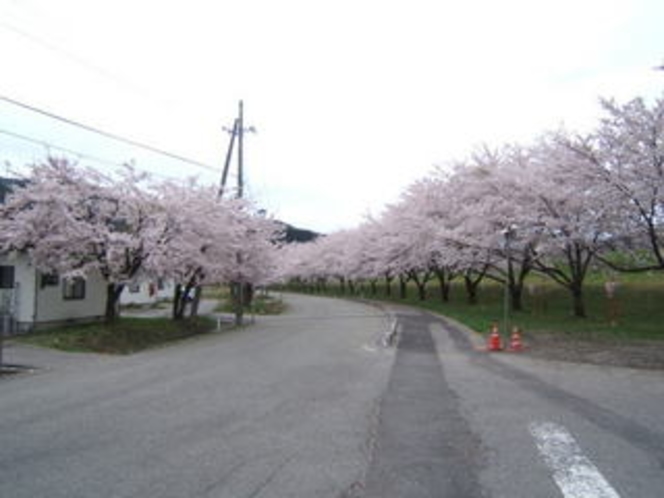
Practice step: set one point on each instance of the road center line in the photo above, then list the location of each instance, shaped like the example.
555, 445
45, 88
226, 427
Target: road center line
573, 472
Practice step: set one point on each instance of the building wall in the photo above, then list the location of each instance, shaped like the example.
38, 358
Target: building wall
53, 307
166, 291
146, 293
36, 305
24, 285
141, 294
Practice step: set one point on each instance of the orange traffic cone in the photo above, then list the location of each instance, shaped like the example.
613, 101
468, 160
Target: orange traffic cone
516, 344
494, 343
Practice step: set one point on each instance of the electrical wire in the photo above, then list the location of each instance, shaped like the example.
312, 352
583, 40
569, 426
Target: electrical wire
113, 136
50, 145
81, 155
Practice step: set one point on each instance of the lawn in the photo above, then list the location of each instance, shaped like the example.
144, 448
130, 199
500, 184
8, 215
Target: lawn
127, 335
262, 303
637, 311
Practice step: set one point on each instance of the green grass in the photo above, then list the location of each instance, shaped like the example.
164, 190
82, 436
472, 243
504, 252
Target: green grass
127, 335
262, 304
218, 292
640, 307
267, 305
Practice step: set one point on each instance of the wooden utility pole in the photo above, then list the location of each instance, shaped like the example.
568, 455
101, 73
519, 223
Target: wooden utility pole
237, 288
229, 155
238, 131
240, 151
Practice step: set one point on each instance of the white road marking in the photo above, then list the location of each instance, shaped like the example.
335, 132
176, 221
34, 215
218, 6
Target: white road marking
573, 472
388, 337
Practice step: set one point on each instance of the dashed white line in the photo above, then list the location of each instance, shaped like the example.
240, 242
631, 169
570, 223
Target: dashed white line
573, 472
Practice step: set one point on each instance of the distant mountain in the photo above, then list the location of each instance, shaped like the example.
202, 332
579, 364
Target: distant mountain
294, 234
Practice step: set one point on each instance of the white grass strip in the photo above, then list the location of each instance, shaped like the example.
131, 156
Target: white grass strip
573, 472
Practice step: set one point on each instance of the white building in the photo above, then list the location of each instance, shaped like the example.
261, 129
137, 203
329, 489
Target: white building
30, 299
148, 292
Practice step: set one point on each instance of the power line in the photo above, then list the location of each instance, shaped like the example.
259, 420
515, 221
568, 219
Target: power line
106, 134
77, 59
81, 155
50, 145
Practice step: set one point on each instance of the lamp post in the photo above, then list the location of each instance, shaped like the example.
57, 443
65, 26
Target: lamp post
508, 234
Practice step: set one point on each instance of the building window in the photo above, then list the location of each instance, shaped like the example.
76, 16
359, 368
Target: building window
6, 277
49, 280
73, 288
134, 288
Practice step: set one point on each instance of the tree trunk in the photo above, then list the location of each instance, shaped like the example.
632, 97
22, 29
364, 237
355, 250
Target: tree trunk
183, 295
193, 311
113, 293
388, 285
516, 296
471, 289
578, 301
403, 288
237, 291
248, 294
178, 309
443, 286
421, 290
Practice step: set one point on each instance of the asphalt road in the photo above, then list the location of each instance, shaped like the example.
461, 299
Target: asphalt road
309, 404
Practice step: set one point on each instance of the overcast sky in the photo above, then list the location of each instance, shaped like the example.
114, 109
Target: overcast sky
352, 99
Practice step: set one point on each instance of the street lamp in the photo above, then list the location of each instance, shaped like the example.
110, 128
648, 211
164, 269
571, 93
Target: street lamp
508, 233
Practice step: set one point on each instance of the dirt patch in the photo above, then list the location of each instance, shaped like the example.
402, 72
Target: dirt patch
596, 350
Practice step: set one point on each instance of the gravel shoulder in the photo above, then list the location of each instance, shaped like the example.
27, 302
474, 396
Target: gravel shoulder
577, 348
642, 354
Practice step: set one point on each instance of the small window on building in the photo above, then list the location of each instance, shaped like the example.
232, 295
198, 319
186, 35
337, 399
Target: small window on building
134, 288
49, 279
6, 277
73, 288
160, 284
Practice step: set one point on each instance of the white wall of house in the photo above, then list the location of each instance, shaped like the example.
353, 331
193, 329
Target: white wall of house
22, 295
146, 293
54, 306
138, 294
166, 290
37, 305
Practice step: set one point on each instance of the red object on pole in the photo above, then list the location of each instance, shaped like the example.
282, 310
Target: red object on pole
495, 343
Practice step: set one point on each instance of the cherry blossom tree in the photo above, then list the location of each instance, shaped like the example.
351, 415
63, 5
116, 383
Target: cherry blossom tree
76, 221
255, 252
626, 156
489, 190
199, 236
563, 205
554, 207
